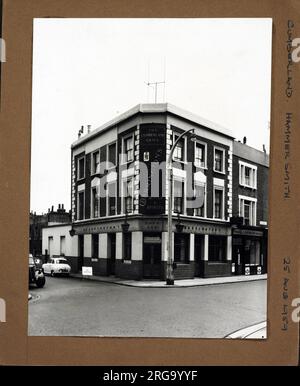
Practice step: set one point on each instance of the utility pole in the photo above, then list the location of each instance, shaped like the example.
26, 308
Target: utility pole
170, 261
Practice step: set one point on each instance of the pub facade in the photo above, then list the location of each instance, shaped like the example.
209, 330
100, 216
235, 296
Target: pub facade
120, 198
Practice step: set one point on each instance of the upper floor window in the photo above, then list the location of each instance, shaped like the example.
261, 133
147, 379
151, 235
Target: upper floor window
128, 195
218, 203
248, 175
80, 168
95, 162
200, 155
95, 203
128, 149
200, 200
219, 160
80, 205
178, 204
112, 154
112, 200
178, 154
247, 210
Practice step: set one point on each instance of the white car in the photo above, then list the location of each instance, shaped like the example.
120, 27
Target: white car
57, 266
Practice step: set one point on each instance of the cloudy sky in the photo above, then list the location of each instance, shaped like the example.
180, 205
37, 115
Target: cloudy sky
87, 71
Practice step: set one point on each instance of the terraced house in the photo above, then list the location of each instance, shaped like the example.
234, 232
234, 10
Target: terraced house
120, 198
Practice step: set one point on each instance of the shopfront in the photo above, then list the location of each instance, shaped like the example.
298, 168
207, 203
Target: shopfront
249, 251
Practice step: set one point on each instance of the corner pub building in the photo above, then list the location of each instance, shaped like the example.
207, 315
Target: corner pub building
226, 234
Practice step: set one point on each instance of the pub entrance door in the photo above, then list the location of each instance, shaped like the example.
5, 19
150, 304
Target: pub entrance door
152, 256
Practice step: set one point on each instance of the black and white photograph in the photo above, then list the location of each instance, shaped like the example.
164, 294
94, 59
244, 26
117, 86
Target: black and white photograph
150, 145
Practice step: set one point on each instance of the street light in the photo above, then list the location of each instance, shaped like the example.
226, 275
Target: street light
170, 270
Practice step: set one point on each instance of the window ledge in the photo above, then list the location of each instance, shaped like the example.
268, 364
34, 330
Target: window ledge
248, 186
217, 171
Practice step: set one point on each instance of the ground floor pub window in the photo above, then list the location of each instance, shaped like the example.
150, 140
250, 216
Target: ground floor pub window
127, 246
217, 248
199, 247
181, 248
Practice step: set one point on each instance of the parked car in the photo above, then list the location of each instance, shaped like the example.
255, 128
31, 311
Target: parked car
57, 266
36, 274
257, 331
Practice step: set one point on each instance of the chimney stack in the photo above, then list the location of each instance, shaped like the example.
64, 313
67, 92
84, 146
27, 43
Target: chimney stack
264, 148
245, 140
88, 129
80, 131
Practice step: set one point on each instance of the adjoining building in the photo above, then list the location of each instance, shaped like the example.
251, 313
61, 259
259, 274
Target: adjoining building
39, 221
220, 210
250, 209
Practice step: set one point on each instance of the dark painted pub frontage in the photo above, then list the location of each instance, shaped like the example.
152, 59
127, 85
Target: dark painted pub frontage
223, 234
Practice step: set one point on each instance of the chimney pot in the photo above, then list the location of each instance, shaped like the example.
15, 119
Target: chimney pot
244, 140
88, 128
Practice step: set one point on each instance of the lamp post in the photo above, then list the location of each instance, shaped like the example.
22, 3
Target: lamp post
170, 270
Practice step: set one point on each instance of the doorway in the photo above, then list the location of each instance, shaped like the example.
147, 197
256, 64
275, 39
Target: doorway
152, 256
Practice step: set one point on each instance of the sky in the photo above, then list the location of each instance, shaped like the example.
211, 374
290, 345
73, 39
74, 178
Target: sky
87, 71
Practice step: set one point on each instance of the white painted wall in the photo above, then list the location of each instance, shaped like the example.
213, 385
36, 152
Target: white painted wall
119, 246
71, 243
137, 246
103, 246
87, 246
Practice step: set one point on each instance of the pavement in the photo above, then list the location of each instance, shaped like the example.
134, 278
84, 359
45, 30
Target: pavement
146, 283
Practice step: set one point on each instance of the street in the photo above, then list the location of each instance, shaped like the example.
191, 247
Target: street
73, 307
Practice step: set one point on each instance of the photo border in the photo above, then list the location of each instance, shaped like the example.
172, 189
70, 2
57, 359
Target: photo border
17, 347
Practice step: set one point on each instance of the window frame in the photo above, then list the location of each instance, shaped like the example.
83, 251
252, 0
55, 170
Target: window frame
223, 159
107, 198
107, 155
253, 209
196, 183
123, 198
184, 139
124, 153
221, 188
92, 203
78, 168
197, 142
242, 169
78, 205
183, 181
92, 159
